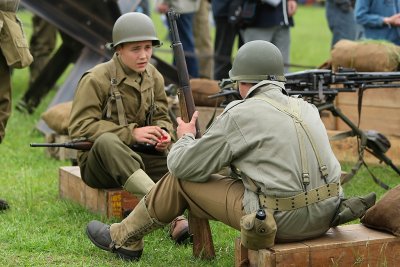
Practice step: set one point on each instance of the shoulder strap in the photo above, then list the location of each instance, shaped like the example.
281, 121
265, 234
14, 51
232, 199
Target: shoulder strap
294, 113
115, 95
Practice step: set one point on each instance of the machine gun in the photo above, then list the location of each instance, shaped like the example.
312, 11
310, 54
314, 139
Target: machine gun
320, 87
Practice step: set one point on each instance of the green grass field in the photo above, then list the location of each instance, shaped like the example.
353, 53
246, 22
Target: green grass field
42, 230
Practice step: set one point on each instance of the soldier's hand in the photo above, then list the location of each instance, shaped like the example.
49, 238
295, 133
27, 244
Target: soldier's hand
189, 127
164, 142
148, 134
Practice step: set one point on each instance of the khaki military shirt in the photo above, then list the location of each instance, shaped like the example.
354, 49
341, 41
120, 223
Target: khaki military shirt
89, 106
261, 141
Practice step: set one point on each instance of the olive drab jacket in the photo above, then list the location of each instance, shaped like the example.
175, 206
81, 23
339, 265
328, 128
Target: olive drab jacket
260, 142
95, 112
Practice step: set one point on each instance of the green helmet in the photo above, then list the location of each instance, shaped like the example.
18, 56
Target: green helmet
133, 27
256, 61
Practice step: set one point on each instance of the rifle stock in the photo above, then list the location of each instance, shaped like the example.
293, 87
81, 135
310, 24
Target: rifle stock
202, 239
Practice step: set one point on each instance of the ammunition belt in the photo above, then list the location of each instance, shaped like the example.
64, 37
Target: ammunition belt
301, 200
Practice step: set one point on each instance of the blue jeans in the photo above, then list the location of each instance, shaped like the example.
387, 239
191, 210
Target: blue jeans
185, 29
342, 24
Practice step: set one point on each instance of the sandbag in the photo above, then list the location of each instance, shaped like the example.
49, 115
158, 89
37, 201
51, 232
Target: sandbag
202, 88
385, 214
57, 117
366, 55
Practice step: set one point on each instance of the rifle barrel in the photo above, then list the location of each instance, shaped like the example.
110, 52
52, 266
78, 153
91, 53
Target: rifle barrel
47, 145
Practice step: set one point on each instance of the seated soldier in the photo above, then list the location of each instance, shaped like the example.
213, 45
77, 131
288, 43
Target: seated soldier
122, 104
278, 150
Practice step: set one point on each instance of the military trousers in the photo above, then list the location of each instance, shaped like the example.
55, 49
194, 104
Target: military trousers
110, 163
5, 95
202, 39
42, 44
220, 198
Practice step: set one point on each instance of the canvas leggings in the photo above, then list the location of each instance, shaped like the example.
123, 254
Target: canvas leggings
110, 163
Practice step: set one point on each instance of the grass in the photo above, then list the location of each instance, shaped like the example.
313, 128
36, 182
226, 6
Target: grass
42, 230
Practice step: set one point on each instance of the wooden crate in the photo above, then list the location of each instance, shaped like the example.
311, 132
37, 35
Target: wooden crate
108, 202
346, 150
347, 245
380, 110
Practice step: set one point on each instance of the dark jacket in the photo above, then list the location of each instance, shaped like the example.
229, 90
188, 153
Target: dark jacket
220, 8
267, 15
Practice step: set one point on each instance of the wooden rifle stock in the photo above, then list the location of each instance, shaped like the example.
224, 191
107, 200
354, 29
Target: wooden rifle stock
202, 239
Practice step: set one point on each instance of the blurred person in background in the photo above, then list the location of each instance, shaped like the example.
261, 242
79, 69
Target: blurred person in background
270, 20
187, 10
226, 31
380, 19
14, 53
341, 20
202, 39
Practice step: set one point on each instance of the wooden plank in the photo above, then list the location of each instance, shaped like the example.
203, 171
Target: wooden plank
388, 97
109, 202
329, 120
382, 119
347, 245
241, 255
354, 245
346, 149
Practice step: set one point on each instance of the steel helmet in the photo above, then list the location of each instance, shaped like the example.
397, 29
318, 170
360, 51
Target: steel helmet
132, 27
256, 61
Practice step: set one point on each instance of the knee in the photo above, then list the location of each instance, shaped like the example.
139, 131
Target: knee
106, 142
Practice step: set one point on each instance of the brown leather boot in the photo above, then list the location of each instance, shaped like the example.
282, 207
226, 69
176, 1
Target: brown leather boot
179, 230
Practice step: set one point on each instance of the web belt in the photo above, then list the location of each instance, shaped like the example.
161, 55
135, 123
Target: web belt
301, 200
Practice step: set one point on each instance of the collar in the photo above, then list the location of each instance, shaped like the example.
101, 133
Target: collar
266, 85
128, 75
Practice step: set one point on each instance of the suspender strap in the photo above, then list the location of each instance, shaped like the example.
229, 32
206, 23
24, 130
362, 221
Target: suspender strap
301, 200
304, 162
297, 120
115, 95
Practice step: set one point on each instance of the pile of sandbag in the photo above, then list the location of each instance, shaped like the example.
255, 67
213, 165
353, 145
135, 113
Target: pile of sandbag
57, 117
202, 89
365, 56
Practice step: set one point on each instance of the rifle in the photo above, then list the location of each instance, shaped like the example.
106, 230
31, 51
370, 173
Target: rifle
202, 239
85, 145
320, 87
